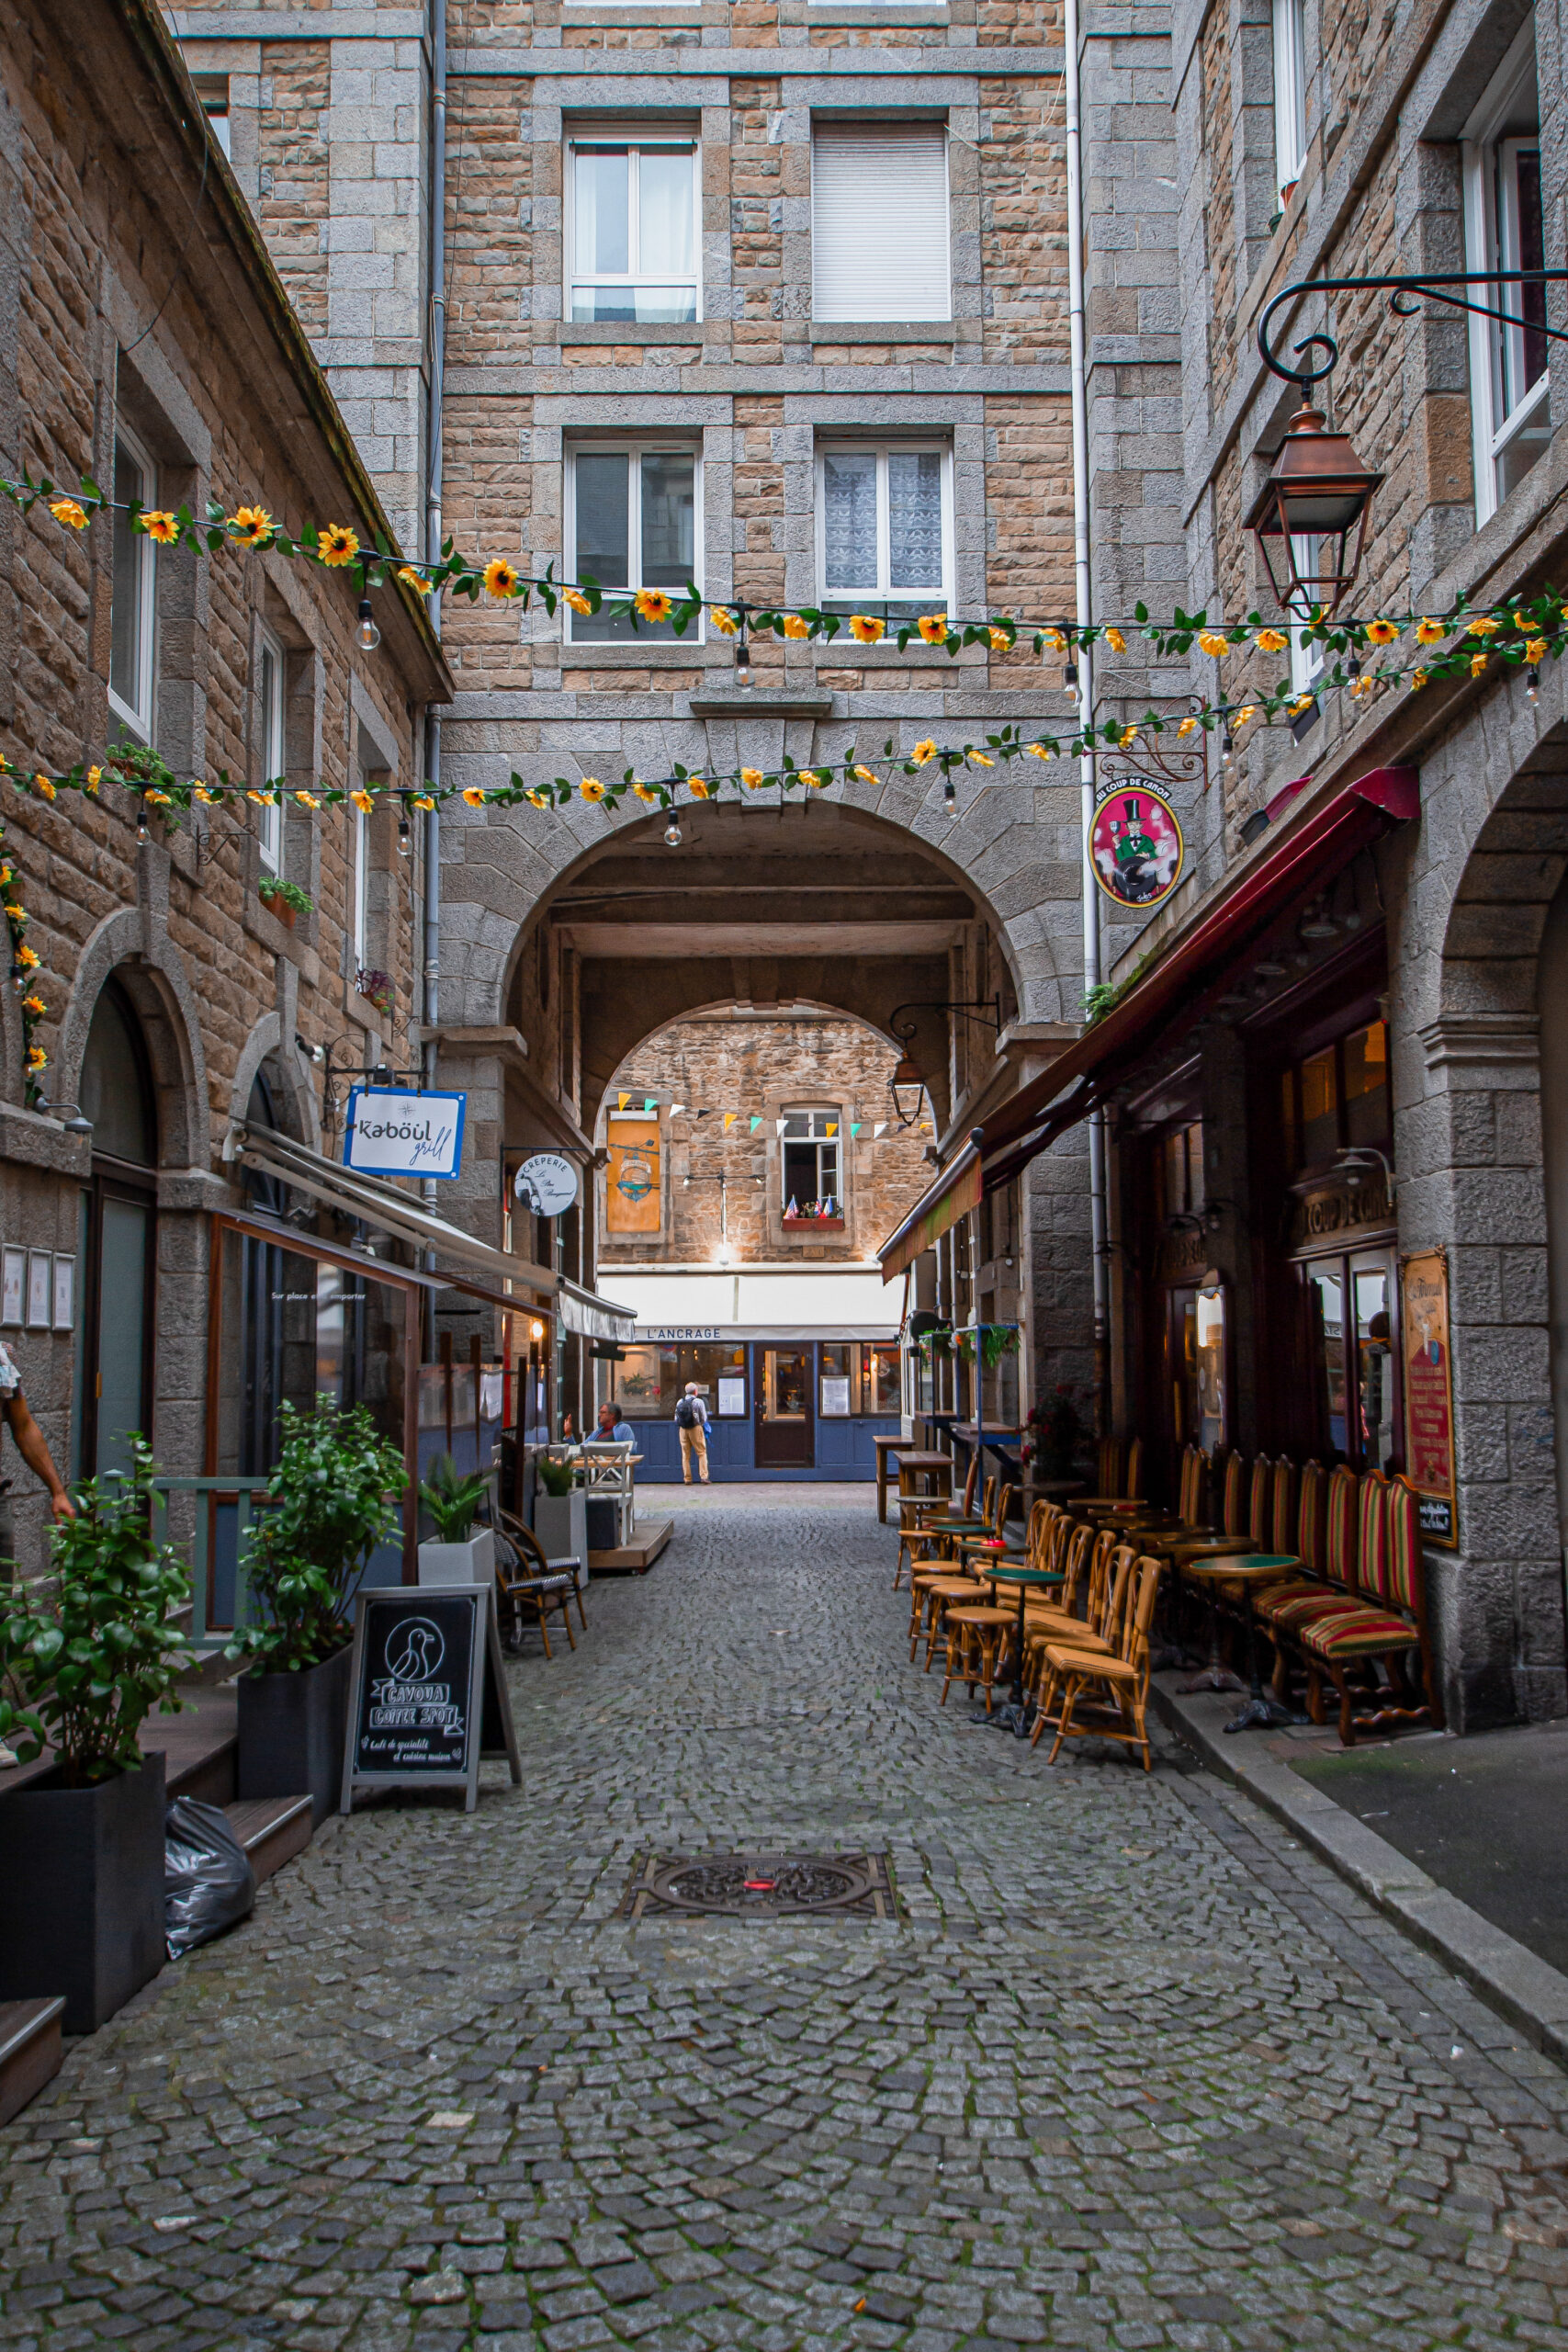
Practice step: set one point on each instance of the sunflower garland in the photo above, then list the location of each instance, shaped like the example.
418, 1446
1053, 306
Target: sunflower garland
1521, 633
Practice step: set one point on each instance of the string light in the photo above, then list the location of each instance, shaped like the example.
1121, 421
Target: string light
672, 834
1532, 684
369, 635
948, 799
405, 836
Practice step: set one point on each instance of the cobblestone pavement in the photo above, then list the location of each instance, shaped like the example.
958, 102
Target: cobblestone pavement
1133, 2071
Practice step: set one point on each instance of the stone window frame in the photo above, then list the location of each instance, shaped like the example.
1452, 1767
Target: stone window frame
617, 128
277, 614
883, 443
781, 1237
374, 757
138, 718
148, 405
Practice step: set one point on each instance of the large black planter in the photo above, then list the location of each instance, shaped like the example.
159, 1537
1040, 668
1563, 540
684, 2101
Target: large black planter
292, 1728
83, 1909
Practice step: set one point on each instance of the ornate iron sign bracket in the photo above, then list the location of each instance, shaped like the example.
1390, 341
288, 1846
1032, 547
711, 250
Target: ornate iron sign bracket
1406, 293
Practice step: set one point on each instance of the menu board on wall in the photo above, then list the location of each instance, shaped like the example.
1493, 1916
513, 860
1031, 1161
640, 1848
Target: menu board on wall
632, 1192
1429, 1394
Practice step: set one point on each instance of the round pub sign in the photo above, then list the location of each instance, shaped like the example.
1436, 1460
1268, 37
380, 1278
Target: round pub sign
1135, 847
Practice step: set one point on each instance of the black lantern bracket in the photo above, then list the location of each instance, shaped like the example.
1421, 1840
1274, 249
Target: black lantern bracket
985, 1009
1406, 291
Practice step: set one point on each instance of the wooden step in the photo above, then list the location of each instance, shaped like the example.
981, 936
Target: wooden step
271, 1830
30, 2050
634, 1559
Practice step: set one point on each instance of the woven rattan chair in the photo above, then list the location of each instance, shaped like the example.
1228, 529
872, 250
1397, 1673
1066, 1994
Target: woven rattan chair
1108, 1698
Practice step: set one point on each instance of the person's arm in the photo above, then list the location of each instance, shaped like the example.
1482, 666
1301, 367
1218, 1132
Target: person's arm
36, 1454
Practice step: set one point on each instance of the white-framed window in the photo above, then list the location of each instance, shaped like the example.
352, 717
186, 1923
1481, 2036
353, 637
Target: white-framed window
133, 616
632, 226
1289, 95
1510, 384
809, 1167
212, 89
880, 239
633, 520
1307, 654
361, 888
884, 526
274, 748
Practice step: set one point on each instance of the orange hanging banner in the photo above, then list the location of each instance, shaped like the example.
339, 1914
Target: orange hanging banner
634, 1195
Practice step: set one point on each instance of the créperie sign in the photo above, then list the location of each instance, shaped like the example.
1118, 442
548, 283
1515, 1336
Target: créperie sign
392, 1131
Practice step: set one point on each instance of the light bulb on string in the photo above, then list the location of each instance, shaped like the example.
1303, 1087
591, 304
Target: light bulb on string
948, 799
1070, 677
742, 659
673, 831
1227, 748
144, 832
405, 836
1532, 684
369, 635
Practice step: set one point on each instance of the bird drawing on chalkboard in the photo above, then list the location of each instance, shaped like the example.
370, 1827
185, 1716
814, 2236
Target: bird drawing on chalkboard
420, 1652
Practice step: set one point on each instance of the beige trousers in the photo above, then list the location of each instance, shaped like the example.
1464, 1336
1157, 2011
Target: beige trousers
695, 1446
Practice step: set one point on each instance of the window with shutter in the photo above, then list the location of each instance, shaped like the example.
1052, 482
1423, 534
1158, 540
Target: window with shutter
879, 221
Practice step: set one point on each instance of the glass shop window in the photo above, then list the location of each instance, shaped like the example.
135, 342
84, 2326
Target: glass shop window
838, 1374
1337, 1098
879, 1379
1181, 1156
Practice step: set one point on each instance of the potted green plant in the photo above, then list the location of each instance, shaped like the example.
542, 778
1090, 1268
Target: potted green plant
92, 1650
459, 1554
560, 1510
284, 900
333, 1497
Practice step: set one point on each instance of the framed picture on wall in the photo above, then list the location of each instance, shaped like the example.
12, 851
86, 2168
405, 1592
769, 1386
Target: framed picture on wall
64, 1290
40, 1288
13, 1283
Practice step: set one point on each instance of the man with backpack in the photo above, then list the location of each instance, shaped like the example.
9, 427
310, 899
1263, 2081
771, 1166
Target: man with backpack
692, 1420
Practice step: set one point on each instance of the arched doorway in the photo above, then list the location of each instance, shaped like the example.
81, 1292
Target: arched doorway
113, 1385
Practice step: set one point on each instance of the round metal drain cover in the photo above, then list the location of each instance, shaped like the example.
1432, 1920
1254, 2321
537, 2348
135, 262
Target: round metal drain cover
749, 1886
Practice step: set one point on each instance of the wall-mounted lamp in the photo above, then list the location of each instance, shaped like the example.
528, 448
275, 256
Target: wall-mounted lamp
1364, 1157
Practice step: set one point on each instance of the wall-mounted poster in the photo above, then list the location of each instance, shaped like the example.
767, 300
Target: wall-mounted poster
1429, 1394
731, 1394
64, 1290
13, 1283
632, 1192
41, 1289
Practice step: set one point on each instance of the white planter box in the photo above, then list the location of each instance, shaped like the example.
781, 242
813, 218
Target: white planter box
560, 1523
469, 1563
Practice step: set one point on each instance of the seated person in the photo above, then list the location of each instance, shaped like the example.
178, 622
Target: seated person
612, 1429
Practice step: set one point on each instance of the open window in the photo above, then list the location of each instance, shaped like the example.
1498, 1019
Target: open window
633, 201
1503, 229
810, 1167
272, 743
1289, 97
133, 631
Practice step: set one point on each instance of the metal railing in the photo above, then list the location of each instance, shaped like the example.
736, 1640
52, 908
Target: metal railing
220, 1537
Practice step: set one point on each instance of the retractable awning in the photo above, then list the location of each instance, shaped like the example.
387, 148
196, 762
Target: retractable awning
591, 1316
1315, 848
379, 1204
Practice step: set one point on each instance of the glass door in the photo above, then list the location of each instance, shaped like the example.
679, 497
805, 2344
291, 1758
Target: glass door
1351, 1306
1197, 1358
784, 1427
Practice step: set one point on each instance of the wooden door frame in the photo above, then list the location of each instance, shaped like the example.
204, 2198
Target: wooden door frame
759, 1392
117, 1180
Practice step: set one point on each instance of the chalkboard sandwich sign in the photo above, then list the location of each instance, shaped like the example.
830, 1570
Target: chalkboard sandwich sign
429, 1694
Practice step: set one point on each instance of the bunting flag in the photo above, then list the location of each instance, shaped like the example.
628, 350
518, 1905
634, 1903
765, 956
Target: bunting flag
855, 1126
833, 1126
676, 1109
881, 1129
778, 1125
650, 1104
730, 1119
620, 1101
755, 1124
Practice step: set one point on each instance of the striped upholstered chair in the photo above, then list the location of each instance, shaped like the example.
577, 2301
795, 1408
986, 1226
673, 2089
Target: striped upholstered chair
1387, 1626
1328, 1544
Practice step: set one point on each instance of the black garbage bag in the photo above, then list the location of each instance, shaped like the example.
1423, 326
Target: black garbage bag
208, 1884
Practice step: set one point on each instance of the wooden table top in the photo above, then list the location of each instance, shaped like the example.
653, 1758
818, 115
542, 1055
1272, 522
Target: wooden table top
909, 1460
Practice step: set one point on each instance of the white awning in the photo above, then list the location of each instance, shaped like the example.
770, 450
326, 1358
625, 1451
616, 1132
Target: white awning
591, 1316
832, 1303
378, 1203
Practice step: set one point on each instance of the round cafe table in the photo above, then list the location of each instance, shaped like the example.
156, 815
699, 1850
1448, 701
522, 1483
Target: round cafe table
1251, 1569
1015, 1716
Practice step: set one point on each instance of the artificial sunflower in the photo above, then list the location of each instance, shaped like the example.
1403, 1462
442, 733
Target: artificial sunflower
723, 619
34, 1006
1116, 641
501, 579
337, 544
424, 799
1383, 632
263, 800
37, 1057
1484, 626
923, 751
1272, 641
70, 510
251, 526
866, 631
160, 525
1128, 737
647, 793
1418, 680
591, 788
1429, 632
363, 802
95, 777
984, 760
998, 641
156, 800
415, 579
473, 797
753, 779
796, 625
576, 599
1055, 640
698, 787
863, 776
306, 799
1212, 642
812, 781
42, 786
536, 798
200, 792
1535, 650
1477, 664
652, 604
24, 957
935, 628
1041, 751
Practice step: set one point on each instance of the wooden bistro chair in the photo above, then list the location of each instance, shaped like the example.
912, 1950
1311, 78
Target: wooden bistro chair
1387, 1627
1110, 1563
532, 1590
1108, 1698
1125, 1495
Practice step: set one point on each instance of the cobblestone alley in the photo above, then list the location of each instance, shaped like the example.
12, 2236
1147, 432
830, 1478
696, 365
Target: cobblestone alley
1130, 2069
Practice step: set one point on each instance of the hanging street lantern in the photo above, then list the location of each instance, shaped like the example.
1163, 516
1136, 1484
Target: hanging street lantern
1310, 517
908, 1089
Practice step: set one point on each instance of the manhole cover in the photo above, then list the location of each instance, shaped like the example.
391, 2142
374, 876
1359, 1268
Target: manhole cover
760, 1886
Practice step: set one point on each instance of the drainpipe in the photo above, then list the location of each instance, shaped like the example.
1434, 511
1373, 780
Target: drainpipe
432, 524
1084, 607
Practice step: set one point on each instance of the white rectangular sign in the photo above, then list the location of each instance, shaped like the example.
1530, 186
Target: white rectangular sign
392, 1131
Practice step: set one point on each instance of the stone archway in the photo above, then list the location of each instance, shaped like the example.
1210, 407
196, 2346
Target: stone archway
155, 978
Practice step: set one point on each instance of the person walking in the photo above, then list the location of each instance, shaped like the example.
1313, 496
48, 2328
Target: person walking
692, 1420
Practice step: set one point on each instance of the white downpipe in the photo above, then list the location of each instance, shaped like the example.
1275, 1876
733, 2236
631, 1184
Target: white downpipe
431, 958
1083, 606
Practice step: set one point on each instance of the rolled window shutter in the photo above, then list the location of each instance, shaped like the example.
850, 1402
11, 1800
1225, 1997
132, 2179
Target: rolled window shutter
879, 223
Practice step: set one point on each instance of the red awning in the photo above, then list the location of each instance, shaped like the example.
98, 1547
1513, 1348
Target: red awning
956, 1189
1292, 867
